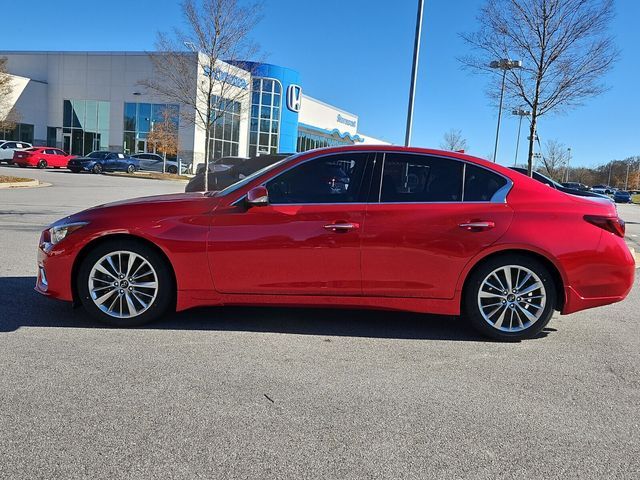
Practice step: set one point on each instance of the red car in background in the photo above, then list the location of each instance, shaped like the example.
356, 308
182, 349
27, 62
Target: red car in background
41, 157
363, 226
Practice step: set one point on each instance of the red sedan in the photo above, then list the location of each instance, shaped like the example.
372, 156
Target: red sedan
376, 227
41, 157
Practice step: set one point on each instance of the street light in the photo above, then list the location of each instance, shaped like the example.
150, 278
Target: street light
504, 65
568, 163
521, 113
414, 73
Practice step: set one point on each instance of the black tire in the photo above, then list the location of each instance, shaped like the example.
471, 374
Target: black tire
472, 311
42, 164
165, 293
172, 170
131, 168
97, 169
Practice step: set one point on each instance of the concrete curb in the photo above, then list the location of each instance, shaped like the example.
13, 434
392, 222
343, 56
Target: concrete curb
143, 176
32, 183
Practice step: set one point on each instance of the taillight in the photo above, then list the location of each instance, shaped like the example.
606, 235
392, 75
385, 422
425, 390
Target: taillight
610, 224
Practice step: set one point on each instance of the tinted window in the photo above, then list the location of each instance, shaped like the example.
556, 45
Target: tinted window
98, 155
480, 184
331, 179
420, 178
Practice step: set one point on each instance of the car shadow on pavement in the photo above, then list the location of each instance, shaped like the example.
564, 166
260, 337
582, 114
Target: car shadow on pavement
21, 306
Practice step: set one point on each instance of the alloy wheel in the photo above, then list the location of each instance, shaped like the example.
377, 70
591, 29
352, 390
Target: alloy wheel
97, 168
123, 284
512, 298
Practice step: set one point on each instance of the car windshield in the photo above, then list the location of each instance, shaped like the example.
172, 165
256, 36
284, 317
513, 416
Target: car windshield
253, 176
98, 155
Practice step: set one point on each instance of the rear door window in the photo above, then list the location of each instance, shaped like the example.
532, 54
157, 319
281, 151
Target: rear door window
411, 178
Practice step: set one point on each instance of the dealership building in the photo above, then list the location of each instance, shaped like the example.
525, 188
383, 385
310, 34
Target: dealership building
86, 101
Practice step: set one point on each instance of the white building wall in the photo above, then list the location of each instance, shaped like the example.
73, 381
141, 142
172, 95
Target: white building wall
322, 115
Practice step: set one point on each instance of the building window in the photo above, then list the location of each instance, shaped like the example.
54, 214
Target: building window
85, 126
309, 141
264, 131
20, 132
224, 137
140, 120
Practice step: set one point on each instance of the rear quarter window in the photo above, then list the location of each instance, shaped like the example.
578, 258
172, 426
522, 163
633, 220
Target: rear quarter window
480, 184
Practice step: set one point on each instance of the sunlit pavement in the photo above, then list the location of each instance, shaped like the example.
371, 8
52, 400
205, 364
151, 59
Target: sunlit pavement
298, 393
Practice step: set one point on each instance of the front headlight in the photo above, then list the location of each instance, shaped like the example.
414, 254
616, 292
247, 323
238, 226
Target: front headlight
58, 233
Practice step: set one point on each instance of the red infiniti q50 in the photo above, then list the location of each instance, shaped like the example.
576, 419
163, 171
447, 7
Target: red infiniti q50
373, 227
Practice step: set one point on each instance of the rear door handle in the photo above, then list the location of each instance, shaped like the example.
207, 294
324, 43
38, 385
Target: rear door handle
341, 226
471, 226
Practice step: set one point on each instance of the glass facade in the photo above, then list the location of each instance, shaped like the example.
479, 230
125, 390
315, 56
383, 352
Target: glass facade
225, 133
85, 126
309, 141
266, 102
20, 132
139, 119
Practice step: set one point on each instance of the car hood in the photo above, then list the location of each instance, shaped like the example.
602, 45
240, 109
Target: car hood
130, 214
85, 159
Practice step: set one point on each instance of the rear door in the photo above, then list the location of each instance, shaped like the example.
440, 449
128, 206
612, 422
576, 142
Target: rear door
421, 230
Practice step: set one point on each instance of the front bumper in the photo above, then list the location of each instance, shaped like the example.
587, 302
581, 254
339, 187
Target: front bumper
54, 271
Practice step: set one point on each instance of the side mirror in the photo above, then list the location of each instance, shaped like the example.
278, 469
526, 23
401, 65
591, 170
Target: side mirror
258, 197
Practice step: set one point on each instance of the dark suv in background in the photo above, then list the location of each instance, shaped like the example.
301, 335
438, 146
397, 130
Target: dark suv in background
228, 170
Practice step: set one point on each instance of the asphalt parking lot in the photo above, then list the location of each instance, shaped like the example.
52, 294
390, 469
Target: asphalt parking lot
298, 393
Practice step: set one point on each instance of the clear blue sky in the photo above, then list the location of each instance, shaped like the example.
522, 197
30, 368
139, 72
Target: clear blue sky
356, 54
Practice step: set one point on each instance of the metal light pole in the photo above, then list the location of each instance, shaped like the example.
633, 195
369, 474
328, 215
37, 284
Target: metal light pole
504, 65
567, 168
414, 74
521, 113
626, 182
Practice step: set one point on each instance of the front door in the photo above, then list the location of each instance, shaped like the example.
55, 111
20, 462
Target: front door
421, 232
305, 242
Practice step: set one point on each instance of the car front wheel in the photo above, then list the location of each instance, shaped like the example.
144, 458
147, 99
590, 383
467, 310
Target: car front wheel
511, 297
125, 283
97, 168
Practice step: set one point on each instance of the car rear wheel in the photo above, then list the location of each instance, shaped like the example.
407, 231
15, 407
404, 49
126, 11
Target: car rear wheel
42, 164
125, 283
172, 170
97, 168
511, 297
131, 168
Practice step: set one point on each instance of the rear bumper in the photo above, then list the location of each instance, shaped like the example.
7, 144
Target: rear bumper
607, 278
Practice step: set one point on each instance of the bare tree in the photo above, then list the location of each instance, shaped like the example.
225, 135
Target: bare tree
8, 116
453, 140
564, 45
217, 42
163, 136
555, 160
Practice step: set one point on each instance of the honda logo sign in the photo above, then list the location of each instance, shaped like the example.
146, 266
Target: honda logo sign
294, 98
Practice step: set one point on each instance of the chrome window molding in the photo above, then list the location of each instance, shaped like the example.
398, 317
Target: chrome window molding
500, 196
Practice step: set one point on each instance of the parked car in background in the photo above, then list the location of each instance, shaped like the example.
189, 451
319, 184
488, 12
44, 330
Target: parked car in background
621, 196
41, 157
229, 170
153, 162
576, 185
101, 161
555, 185
369, 226
8, 148
603, 189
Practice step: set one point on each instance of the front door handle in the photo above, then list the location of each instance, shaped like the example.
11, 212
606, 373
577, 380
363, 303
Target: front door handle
476, 226
341, 227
